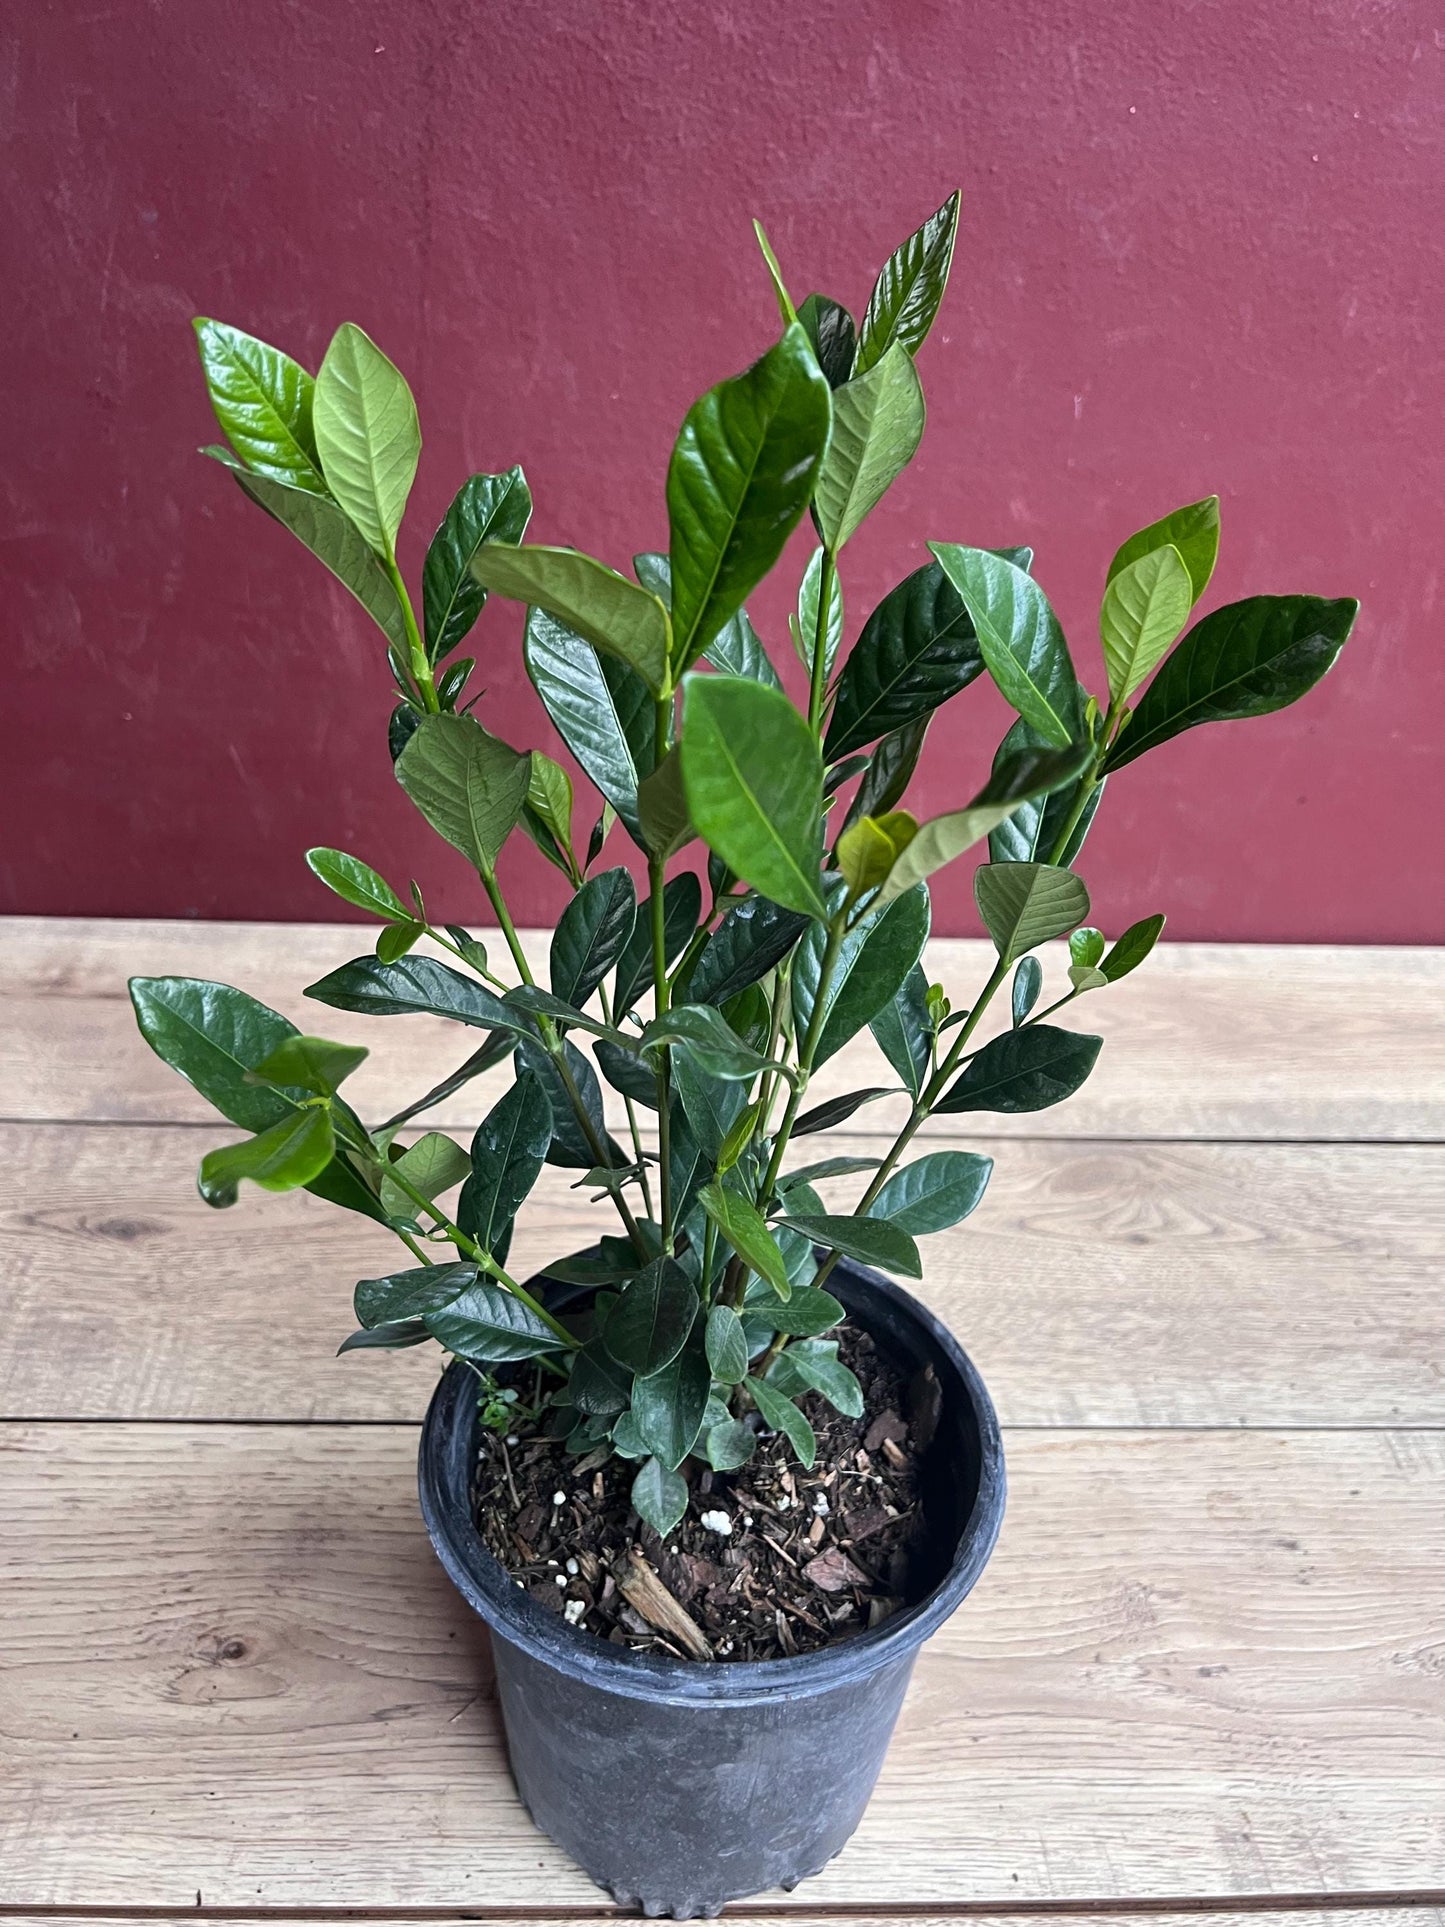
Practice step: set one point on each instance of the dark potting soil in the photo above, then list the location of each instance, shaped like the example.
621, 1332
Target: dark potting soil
766, 1562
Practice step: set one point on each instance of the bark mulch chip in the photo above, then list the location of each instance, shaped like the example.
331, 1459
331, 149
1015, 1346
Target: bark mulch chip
810, 1557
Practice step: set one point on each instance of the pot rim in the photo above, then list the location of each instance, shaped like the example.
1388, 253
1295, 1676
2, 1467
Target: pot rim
490, 1590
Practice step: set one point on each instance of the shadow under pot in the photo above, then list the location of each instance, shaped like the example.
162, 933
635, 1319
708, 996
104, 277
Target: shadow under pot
681, 1785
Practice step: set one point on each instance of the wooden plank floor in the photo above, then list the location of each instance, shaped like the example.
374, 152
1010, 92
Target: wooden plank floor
1204, 1672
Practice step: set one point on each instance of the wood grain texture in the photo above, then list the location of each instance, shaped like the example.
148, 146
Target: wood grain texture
1197, 1665
1207, 1040
801, 1916
1097, 1284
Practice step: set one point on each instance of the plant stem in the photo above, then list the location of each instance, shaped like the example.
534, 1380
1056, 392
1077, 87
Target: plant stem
633, 1128
661, 989
421, 669
819, 680
509, 929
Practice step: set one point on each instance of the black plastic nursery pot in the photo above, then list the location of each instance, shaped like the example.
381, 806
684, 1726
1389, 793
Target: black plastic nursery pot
680, 1785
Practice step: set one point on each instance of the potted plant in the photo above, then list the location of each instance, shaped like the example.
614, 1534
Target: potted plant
713, 1480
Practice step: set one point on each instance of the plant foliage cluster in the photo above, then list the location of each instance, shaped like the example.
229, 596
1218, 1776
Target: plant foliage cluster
707, 1006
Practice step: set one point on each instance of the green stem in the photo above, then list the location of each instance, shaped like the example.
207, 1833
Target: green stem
446, 943
421, 669
634, 1129
509, 929
819, 680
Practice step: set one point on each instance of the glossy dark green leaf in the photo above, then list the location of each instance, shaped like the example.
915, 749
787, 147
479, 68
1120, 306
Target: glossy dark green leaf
402, 725
668, 1405
1024, 1070
541, 1003
570, 1146
805, 625
837, 1110
1020, 638
830, 328
1028, 982
888, 773
309, 1064
780, 1414
752, 939
1246, 659
872, 1241
681, 908
318, 523
408, 1294
1193, 530
366, 434
1132, 948
591, 935
736, 649
916, 650
813, 1365
662, 808
727, 1347
909, 288
486, 508
286, 1156
490, 1325
691, 1166
587, 597
496, 1047
877, 426
741, 475
469, 785
711, 1104
933, 1192
599, 1386
729, 1445
715, 1045
411, 985
602, 710
1026, 904
873, 961
508, 1151
659, 1496
1029, 834
387, 1338
626, 1072
808, 1312
743, 1227
650, 1325
903, 1030
263, 401
754, 781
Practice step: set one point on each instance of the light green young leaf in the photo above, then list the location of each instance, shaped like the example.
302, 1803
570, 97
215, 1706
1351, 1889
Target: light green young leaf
596, 603
804, 625
468, 785
283, 1158
1145, 607
263, 401
1193, 530
309, 1064
367, 435
877, 426
743, 1227
775, 274
432, 1166
1025, 904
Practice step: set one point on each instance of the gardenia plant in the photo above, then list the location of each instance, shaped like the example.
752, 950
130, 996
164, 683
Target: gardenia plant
710, 1005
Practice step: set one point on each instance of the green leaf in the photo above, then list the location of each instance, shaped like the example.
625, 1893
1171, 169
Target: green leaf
1020, 638
309, 1064
872, 961
942, 838
432, 1165
662, 808
730, 1445
1086, 946
390, 1337
602, 710
547, 816
317, 522
908, 290
743, 1227
1246, 659
650, 1324
837, 1110
1028, 982
780, 1414
775, 274
659, 1496
1132, 948
727, 1346
1145, 607
486, 508
508, 1151
871, 1241
716, 1046
668, 1406
570, 1147
742, 472
281, 1158
1085, 977
497, 1046
805, 627
829, 327
595, 602
1193, 531
877, 426
263, 401
491, 1326
1025, 904
407, 1294
626, 1072
916, 650
1031, 831
754, 781
712, 1105
411, 985
934, 1192
367, 435
591, 935
886, 775
681, 908
356, 882
814, 1366
599, 1386
736, 649
397, 938
1024, 1070
751, 940
808, 1312
903, 1031
467, 784
869, 847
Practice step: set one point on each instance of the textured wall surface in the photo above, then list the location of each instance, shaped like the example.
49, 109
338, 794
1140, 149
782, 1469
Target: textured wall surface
1200, 251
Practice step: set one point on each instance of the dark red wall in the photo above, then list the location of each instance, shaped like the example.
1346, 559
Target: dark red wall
1201, 250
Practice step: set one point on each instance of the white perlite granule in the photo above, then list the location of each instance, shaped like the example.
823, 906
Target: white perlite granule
573, 1610
718, 1522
